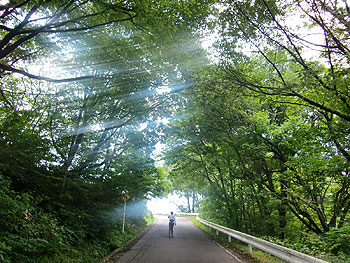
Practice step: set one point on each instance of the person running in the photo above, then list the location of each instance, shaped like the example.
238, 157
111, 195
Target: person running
172, 222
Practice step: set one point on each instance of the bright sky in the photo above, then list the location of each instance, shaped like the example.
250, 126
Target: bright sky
165, 205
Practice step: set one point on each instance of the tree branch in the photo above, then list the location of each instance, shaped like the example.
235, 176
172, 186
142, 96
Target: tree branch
24, 73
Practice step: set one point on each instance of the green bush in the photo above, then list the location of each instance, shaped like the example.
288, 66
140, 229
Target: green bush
337, 240
26, 231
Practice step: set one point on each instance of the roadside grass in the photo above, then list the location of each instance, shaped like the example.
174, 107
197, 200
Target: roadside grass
150, 220
258, 256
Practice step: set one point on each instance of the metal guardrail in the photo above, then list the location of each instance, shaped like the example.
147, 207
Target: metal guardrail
288, 255
187, 214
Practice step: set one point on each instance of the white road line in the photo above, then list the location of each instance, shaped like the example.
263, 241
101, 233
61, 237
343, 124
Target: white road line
228, 251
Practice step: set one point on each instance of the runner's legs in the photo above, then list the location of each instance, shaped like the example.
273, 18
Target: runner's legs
171, 229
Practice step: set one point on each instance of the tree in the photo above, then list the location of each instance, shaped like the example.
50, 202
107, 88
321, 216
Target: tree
283, 50
76, 125
278, 157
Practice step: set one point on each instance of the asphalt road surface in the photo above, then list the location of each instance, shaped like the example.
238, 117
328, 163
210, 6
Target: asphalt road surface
190, 245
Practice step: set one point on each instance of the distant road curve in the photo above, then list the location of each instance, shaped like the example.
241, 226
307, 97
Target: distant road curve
190, 245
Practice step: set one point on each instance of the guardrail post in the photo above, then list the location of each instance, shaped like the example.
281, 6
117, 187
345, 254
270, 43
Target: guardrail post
217, 232
250, 250
229, 239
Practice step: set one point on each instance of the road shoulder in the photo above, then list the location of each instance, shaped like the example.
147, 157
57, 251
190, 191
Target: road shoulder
118, 252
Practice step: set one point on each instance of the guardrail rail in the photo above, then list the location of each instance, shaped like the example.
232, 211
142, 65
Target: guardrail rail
186, 214
287, 254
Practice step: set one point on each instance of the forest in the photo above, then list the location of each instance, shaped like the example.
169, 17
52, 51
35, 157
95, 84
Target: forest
250, 100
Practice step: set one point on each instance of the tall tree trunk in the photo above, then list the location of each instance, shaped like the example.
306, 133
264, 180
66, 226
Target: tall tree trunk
194, 200
282, 210
187, 195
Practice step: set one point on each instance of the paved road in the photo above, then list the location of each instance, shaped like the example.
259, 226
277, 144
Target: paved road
190, 245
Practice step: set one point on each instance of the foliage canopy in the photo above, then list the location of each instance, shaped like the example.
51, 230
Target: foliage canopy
258, 137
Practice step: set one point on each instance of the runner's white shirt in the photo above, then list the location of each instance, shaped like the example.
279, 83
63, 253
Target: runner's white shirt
172, 218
